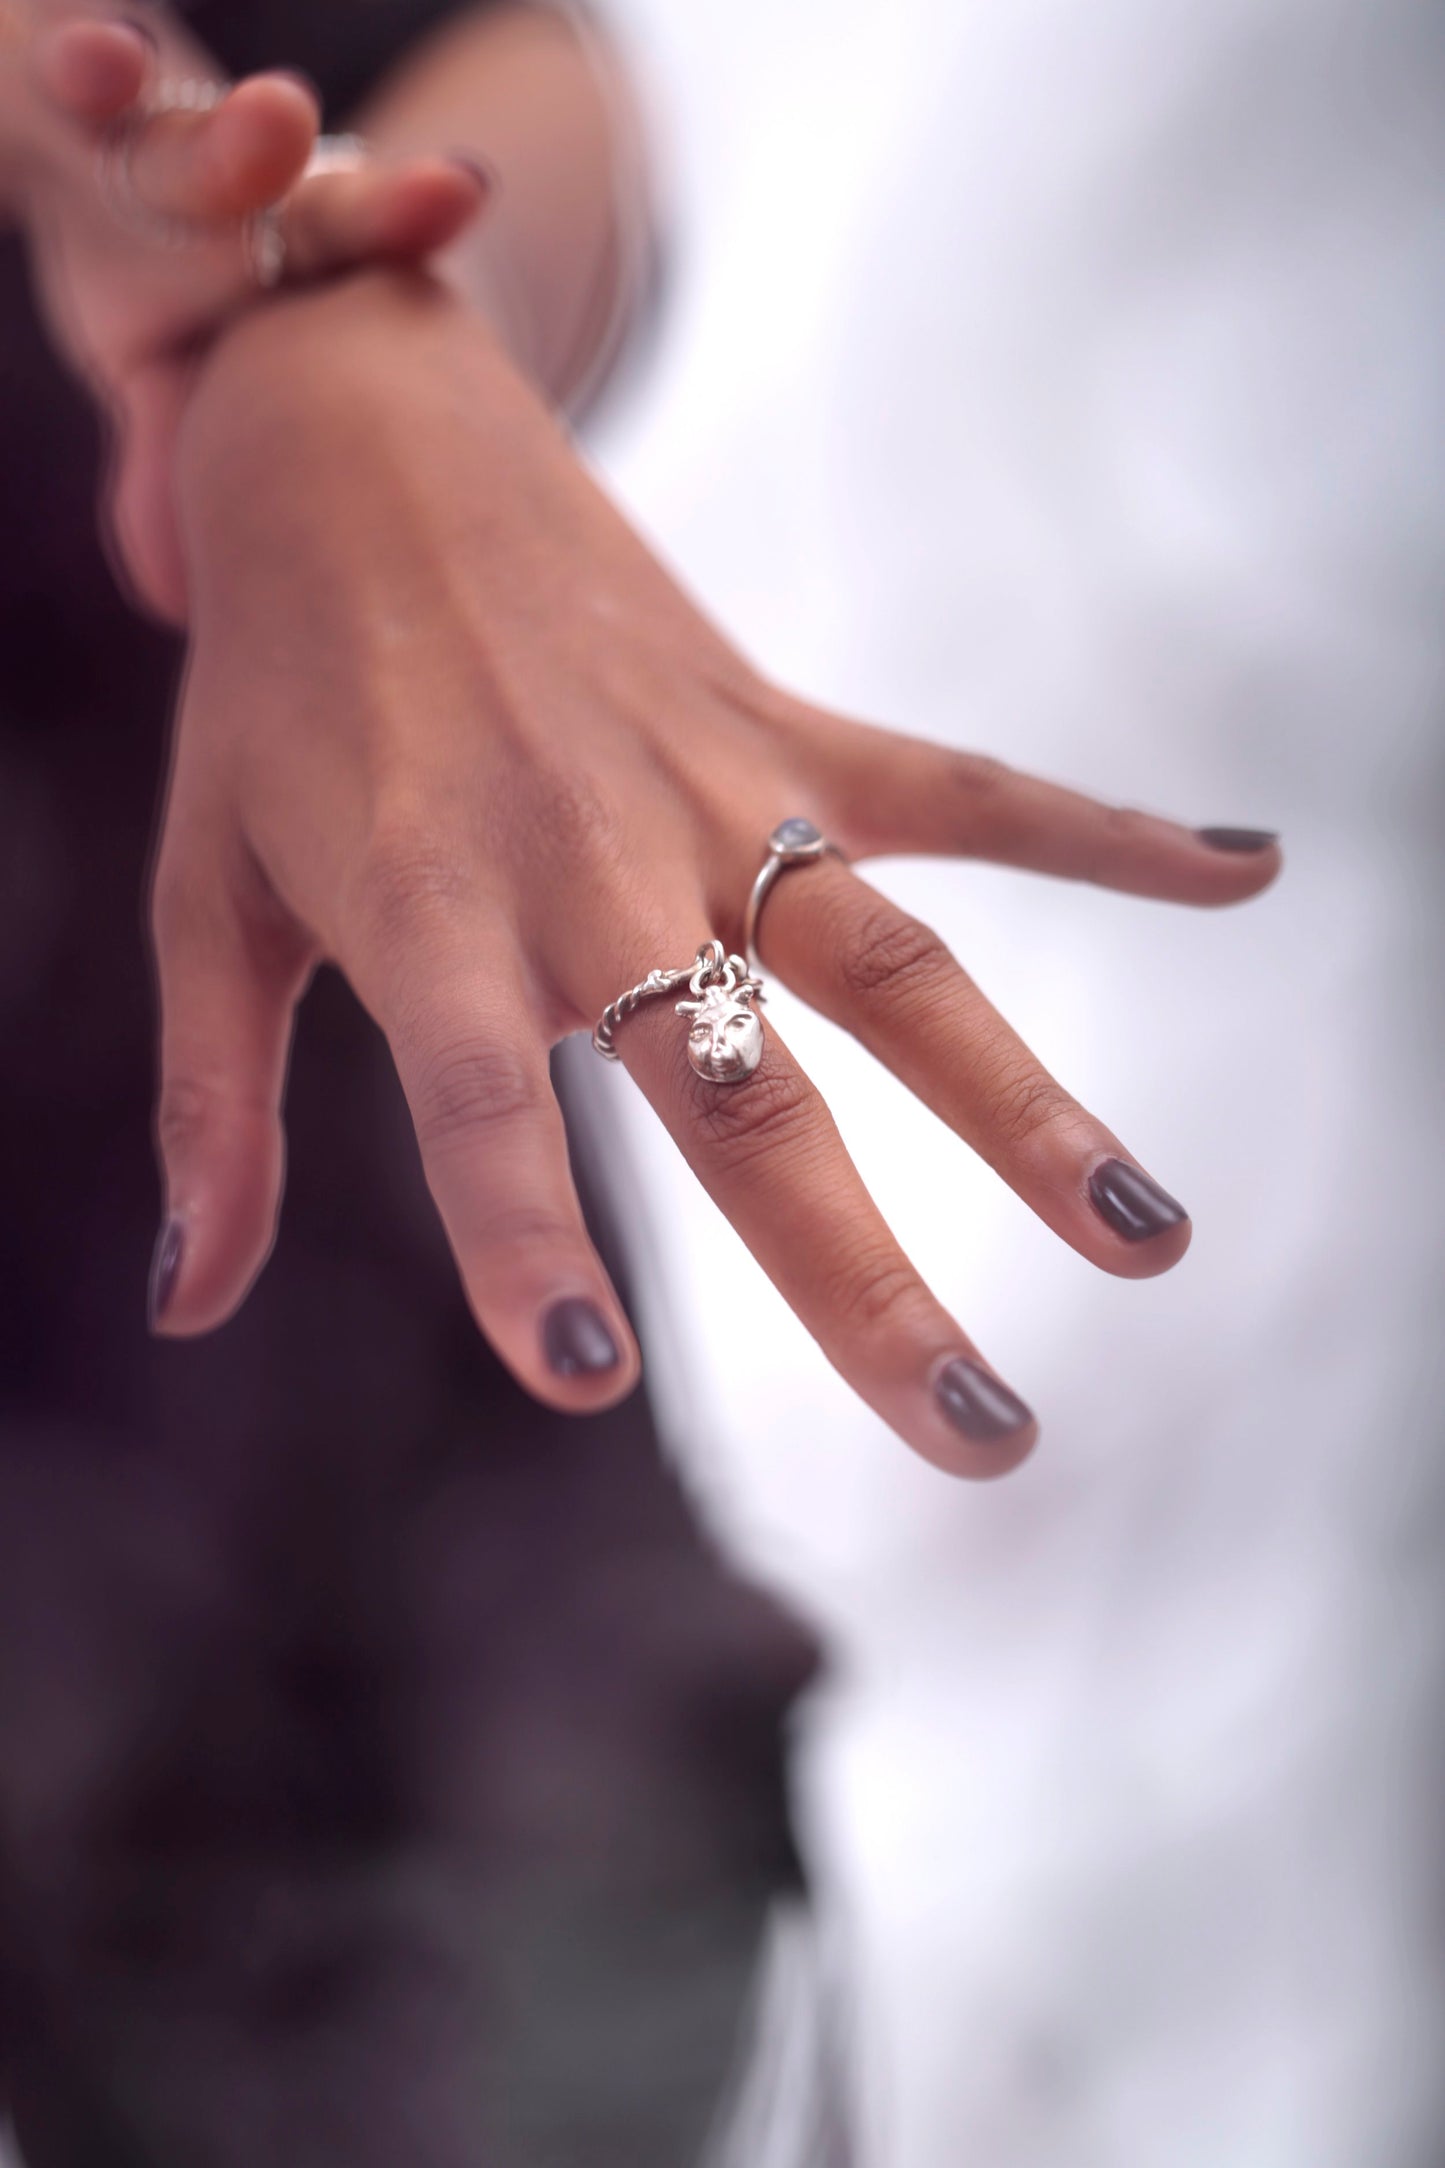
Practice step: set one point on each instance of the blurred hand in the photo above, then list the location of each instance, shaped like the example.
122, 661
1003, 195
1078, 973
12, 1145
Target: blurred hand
129, 304
450, 725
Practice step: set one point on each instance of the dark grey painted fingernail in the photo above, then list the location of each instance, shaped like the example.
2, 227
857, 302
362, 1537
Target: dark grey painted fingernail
576, 1341
1237, 839
1135, 1207
477, 169
165, 1269
978, 1404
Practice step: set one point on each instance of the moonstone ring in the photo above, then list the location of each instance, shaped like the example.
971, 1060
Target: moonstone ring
794, 842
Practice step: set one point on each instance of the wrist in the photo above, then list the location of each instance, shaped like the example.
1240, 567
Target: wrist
358, 387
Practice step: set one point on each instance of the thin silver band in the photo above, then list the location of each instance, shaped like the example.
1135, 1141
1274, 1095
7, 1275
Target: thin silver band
794, 842
264, 236
173, 94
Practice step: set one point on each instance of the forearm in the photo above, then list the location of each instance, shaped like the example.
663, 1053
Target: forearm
557, 262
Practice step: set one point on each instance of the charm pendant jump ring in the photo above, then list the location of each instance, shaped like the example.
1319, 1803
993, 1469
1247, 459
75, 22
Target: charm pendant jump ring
794, 842
725, 1034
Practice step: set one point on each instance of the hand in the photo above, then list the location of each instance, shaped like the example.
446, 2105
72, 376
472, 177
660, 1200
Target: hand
132, 313
449, 724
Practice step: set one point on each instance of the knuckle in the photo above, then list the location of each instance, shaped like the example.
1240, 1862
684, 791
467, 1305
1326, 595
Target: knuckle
982, 776
877, 1293
772, 1112
572, 823
410, 877
538, 1228
892, 956
471, 1091
184, 1114
1114, 830
1025, 1103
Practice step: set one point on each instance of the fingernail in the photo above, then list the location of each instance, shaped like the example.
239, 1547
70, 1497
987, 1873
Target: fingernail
142, 30
978, 1404
477, 169
1135, 1207
165, 1270
576, 1341
1237, 839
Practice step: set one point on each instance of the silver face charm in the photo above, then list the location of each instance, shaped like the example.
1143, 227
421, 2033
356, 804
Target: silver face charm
725, 1043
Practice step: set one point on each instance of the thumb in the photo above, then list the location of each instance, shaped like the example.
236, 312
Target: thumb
231, 969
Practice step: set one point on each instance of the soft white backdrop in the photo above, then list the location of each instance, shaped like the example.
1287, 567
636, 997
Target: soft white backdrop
1062, 380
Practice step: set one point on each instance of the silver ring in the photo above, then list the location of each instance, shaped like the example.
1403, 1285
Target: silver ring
264, 235
794, 842
725, 1034
173, 94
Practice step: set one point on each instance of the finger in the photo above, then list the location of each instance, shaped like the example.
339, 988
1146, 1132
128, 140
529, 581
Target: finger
767, 1151
903, 795
891, 982
94, 71
138, 515
242, 154
474, 1067
230, 973
379, 213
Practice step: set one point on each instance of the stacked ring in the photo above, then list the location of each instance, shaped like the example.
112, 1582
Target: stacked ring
794, 842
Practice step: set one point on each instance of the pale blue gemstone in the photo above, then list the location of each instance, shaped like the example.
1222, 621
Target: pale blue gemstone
795, 835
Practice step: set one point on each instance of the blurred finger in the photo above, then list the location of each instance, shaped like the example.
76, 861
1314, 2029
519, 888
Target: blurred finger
221, 164
398, 213
94, 71
474, 1067
890, 981
230, 975
767, 1151
904, 795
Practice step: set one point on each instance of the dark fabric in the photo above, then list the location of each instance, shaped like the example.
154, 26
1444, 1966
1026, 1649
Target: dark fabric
388, 1771
343, 45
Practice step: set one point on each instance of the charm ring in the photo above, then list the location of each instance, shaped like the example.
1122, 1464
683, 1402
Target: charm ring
793, 842
725, 1036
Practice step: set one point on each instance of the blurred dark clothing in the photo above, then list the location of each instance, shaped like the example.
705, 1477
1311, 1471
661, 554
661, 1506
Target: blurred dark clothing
388, 1770
343, 45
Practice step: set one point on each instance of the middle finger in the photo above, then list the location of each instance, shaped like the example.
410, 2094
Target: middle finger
768, 1153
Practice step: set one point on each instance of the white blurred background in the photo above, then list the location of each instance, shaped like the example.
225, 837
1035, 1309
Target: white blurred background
1064, 381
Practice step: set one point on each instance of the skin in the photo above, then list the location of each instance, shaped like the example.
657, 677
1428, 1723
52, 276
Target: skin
450, 726
468, 740
132, 317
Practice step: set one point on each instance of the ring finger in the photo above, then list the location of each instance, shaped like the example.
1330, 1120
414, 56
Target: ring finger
890, 981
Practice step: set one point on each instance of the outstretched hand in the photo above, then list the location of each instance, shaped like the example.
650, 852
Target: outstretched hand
450, 725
